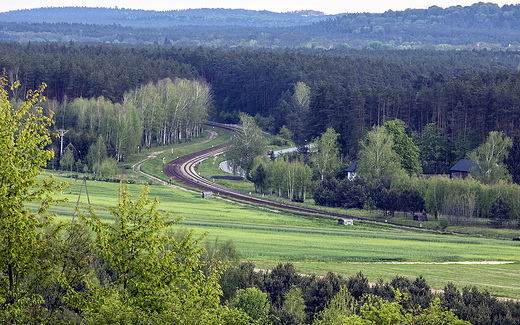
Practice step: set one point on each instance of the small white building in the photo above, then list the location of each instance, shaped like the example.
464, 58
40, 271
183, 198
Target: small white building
346, 222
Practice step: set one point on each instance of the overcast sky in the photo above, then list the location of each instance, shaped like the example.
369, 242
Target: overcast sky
326, 6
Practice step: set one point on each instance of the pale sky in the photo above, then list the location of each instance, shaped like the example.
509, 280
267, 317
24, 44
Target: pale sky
326, 6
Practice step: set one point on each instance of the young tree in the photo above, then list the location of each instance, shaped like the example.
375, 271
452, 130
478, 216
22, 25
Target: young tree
253, 302
24, 234
259, 177
159, 279
327, 153
404, 147
377, 159
489, 158
275, 174
248, 143
433, 149
294, 305
297, 177
298, 110
96, 154
68, 158
500, 211
285, 133
340, 310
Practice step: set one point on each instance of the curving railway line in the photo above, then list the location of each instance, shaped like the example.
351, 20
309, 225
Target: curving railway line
183, 170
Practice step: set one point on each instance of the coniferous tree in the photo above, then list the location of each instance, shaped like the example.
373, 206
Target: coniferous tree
513, 161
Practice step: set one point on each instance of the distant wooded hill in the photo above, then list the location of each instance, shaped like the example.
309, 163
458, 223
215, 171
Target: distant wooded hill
161, 19
479, 26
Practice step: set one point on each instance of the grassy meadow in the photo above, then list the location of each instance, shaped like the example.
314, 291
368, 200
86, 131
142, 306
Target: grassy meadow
320, 245
314, 245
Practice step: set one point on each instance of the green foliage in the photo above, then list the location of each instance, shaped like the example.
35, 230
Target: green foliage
376, 310
500, 211
258, 177
251, 301
225, 252
298, 179
97, 153
320, 290
475, 306
489, 158
404, 146
248, 143
377, 159
158, 277
433, 150
28, 239
285, 133
326, 156
171, 111
512, 161
108, 167
294, 305
340, 310
68, 159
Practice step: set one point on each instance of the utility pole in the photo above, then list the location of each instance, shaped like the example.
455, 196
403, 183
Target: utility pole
62, 133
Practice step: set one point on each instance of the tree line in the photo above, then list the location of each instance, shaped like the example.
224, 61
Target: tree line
388, 177
453, 97
164, 113
287, 297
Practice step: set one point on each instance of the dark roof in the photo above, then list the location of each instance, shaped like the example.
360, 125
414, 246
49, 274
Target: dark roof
464, 165
352, 167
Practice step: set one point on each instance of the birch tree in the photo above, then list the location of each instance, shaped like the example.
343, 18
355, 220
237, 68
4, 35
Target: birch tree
377, 159
299, 109
275, 175
327, 153
248, 143
489, 158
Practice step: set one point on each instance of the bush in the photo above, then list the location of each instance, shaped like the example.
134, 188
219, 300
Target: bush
252, 301
107, 168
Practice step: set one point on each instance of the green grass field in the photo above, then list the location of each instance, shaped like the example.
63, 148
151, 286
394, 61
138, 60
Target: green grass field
320, 245
317, 245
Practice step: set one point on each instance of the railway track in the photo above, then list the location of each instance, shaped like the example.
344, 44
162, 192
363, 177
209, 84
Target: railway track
183, 170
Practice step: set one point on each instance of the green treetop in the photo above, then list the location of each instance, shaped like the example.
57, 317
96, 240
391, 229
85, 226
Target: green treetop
404, 146
248, 143
24, 243
377, 158
489, 158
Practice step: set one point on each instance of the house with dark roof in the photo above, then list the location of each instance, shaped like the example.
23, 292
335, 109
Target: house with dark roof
462, 169
351, 171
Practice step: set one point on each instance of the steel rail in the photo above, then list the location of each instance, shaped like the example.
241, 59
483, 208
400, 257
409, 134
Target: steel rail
183, 170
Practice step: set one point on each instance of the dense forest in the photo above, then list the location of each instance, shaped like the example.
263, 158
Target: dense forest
465, 94
479, 26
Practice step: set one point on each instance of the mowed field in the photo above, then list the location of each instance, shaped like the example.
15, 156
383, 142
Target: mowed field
320, 245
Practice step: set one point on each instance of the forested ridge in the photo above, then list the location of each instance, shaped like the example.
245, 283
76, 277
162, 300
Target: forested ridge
481, 25
158, 19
